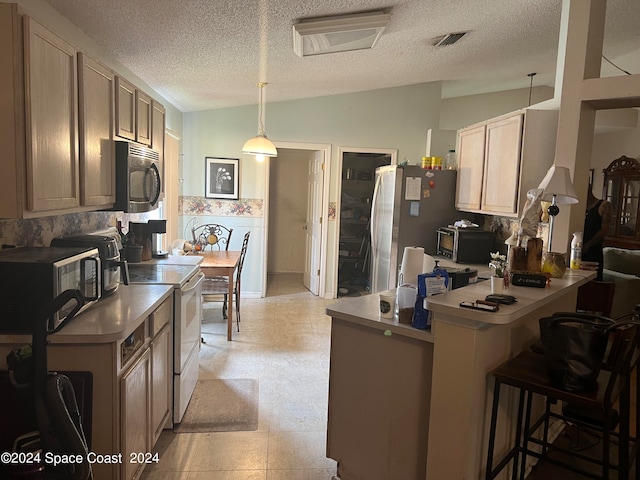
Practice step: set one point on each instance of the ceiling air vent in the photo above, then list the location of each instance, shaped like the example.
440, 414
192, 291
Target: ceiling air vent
315, 36
448, 39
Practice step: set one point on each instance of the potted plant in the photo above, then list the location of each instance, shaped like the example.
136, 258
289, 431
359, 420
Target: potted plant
498, 265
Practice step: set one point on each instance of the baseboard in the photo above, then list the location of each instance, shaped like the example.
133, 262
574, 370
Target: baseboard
250, 295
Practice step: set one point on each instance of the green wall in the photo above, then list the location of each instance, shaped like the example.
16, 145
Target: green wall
393, 118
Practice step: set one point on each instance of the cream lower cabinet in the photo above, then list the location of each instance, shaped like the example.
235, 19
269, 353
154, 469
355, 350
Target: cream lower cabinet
161, 376
135, 399
501, 159
145, 392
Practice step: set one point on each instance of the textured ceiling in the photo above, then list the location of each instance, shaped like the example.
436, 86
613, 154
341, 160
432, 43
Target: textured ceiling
204, 54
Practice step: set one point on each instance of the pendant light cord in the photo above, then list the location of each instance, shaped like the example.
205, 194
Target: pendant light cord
260, 110
530, 75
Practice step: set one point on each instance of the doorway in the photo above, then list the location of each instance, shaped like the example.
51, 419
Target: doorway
358, 167
295, 215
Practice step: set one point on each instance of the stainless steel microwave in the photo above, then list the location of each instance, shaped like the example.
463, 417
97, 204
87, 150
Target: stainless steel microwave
138, 179
32, 277
465, 245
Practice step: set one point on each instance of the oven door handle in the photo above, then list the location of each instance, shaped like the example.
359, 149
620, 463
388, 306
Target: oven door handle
192, 284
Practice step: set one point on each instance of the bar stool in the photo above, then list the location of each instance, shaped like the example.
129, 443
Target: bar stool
528, 373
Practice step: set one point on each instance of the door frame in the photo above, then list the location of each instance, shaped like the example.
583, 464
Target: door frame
325, 148
392, 152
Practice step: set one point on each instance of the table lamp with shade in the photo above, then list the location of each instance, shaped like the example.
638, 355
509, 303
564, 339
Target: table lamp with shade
557, 189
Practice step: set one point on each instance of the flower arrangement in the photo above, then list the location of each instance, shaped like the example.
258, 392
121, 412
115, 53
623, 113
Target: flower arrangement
498, 263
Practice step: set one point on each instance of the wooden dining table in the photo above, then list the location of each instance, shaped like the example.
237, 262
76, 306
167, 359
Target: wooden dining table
216, 263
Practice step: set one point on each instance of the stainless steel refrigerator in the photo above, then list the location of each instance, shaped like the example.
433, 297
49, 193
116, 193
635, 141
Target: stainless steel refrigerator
409, 204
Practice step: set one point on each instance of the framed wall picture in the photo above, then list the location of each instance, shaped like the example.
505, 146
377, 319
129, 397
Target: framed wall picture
221, 177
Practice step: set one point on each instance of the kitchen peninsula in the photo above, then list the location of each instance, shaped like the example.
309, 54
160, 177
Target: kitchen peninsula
123, 345
412, 404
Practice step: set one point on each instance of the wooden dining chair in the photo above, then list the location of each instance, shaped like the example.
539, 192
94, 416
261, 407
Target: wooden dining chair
212, 235
220, 285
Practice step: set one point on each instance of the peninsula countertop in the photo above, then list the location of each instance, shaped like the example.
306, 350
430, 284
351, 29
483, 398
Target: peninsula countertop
365, 311
529, 299
111, 319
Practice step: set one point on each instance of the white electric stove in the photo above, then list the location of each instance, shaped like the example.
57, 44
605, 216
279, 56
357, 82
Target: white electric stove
187, 309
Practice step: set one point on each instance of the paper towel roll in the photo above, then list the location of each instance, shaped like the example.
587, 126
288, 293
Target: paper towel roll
428, 264
411, 267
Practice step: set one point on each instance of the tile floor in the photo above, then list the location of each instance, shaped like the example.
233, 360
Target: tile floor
284, 344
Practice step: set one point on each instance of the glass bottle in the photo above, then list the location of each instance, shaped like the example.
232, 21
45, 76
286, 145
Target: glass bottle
576, 250
451, 160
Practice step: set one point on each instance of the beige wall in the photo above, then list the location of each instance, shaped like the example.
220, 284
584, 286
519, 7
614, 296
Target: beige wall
287, 211
609, 146
459, 112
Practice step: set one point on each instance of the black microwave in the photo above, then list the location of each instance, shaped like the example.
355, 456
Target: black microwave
138, 179
465, 245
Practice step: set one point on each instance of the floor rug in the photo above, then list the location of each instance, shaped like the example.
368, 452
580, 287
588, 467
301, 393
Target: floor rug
221, 406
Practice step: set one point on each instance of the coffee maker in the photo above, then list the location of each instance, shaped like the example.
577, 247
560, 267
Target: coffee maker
157, 228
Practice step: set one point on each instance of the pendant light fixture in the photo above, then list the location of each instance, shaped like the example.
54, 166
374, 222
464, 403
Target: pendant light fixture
260, 145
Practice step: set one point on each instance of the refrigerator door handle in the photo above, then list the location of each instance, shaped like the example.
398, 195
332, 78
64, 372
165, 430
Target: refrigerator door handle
374, 218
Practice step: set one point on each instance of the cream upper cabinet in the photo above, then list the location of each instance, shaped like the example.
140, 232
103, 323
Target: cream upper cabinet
12, 181
97, 150
133, 113
125, 109
143, 118
470, 167
60, 112
502, 166
38, 119
501, 159
51, 117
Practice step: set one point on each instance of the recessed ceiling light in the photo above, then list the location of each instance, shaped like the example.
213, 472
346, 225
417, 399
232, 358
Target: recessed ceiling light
341, 33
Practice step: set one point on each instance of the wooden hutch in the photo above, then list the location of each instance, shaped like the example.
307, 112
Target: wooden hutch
622, 189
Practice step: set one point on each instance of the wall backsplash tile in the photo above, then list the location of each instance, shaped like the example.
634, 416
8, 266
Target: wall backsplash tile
38, 232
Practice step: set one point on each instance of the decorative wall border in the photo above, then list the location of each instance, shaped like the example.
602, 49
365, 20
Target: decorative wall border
244, 207
333, 207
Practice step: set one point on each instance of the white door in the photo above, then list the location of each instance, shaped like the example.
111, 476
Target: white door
313, 224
